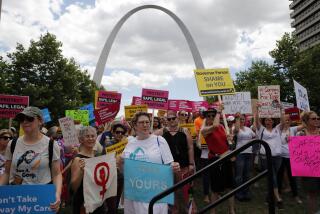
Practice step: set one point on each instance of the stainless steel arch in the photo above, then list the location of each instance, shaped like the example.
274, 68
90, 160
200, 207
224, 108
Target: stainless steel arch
97, 77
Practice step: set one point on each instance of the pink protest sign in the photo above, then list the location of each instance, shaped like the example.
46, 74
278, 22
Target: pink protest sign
305, 156
196, 105
10, 105
136, 101
106, 114
173, 105
107, 98
185, 105
155, 99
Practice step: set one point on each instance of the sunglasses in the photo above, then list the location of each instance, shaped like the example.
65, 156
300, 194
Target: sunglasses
171, 118
120, 132
184, 115
27, 118
211, 115
315, 118
5, 138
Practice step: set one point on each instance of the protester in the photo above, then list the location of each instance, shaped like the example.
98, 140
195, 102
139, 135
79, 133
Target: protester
28, 164
221, 175
5, 136
150, 148
311, 184
243, 165
156, 124
183, 117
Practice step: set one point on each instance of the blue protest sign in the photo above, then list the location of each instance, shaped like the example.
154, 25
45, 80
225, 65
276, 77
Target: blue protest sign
90, 108
26, 198
46, 115
142, 181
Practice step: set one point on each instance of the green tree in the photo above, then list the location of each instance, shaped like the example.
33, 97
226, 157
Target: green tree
47, 77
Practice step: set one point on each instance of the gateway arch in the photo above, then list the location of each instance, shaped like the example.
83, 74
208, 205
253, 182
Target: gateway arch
97, 77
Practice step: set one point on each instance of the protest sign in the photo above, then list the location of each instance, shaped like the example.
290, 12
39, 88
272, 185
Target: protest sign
27, 198
191, 129
239, 102
305, 156
107, 98
269, 100
214, 82
180, 105
196, 105
129, 111
173, 105
301, 96
68, 131
155, 99
46, 115
142, 181
136, 100
99, 181
161, 113
294, 114
117, 148
79, 115
286, 105
106, 114
90, 108
10, 105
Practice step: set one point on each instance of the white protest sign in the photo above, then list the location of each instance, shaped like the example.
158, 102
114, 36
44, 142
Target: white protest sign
301, 96
99, 180
68, 131
269, 100
286, 105
239, 102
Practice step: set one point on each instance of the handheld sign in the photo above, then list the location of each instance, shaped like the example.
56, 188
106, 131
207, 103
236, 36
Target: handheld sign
10, 105
214, 82
191, 129
155, 99
142, 181
180, 105
90, 108
269, 99
239, 102
68, 131
106, 114
305, 156
301, 96
46, 115
107, 98
196, 105
79, 115
129, 111
27, 198
117, 148
136, 100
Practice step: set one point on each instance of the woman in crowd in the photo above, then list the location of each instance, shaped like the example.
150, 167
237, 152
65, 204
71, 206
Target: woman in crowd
28, 163
183, 117
150, 148
311, 184
268, 131
243, 167
5, 136
156, 124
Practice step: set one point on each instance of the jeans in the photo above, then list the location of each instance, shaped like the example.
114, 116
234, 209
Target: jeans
276, 163
243, 172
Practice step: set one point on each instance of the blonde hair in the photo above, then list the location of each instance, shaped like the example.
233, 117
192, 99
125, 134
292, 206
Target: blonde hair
305, 116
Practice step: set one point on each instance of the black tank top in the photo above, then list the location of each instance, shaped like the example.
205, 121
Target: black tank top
178, 145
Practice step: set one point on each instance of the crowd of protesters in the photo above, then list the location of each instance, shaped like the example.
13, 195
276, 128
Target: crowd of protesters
165, 142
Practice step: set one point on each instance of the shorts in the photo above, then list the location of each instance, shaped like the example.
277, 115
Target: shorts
221, 176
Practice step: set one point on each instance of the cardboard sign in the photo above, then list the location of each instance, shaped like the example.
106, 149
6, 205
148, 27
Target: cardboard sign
214, 82
46, 115
106, 114
136, 101
239, 102
27, 198
269, 99
69, 133
191, 129
196, 105
155, 99
117, 148
10, 105
79, 115
305, 156
129, 111
142, 181
107, 98
90, 109
301, 96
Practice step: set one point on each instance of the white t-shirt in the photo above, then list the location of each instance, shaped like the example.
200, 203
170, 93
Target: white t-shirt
284, 140
244, 136
31, 161
273, 139
150, 151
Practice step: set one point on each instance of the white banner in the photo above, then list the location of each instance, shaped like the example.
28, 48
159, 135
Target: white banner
99, 180
286, 105
301, 96
239, 102
269, 100
69, 133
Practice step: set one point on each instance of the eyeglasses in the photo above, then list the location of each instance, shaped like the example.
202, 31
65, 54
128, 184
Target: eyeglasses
120, 132
147, 122
184, 115
211, 115
171, 118
5, 138
315, 118
27, 118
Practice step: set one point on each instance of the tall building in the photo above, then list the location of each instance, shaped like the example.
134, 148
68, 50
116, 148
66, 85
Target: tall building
306, 15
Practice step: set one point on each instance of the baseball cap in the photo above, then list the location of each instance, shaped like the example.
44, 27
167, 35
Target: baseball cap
210, 110
29, 111
230, 118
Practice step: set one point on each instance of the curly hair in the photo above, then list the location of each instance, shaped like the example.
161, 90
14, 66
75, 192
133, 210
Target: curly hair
137, 115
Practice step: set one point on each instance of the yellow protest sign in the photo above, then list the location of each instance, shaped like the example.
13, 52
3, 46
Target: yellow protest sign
214, 81
161, 113
118, 147
129, 111
191, 128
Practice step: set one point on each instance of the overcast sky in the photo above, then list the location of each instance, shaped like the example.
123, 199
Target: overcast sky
150, 51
